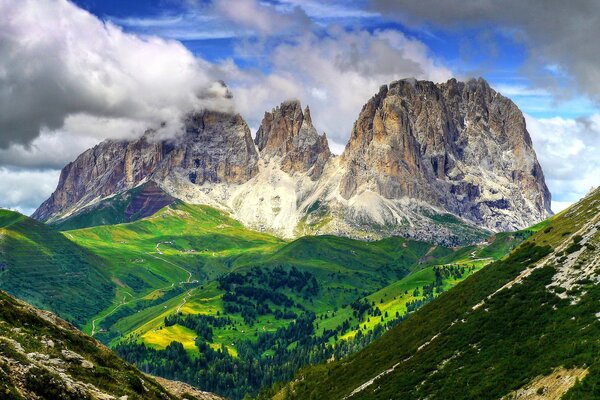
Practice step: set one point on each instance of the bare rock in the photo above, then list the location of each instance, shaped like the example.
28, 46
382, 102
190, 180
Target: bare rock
71, 355
215, 148
446, 163
460, 147
288, 133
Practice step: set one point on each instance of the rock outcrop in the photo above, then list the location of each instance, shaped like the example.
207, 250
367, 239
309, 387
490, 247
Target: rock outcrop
460, 147
215, 148
45, 357
443, 162
288, 133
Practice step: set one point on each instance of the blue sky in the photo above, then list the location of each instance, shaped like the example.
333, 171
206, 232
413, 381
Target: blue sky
488, 51
332, 55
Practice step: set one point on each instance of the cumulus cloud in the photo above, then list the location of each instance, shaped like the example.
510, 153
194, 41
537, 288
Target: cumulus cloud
559, 34
335, 74
262, 18
24, 190
568, 152
58, 61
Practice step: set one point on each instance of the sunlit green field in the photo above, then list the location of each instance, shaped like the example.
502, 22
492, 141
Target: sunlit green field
178, 263
179, 253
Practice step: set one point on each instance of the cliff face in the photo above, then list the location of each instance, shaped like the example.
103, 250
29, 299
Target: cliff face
440, 162
288, 133
215, 148
460, 147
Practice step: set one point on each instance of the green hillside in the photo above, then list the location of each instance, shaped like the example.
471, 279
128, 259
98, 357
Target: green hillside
195, 296
192, 277
48, 270
525, 323
134, 204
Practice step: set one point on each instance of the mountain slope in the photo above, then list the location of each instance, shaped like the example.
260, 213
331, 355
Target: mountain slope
510, 328
194, 281
445, 163
191, 280
44, 357
44, 267
131, 205
459, 147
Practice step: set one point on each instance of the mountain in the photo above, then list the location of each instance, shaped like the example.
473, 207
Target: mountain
459, 147
215, 148
524, 327
45, 268
44, 357
288, 133
140, 202
443, 162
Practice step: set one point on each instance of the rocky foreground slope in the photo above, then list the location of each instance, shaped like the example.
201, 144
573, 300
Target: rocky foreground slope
440, 162
44, 358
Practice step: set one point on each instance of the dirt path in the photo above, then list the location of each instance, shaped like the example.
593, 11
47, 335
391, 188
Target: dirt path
185, 299
189, 278
123, 303
134, 299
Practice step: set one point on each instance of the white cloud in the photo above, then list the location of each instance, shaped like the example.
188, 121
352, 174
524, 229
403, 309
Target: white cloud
335, 74
329, 10
568, 152
25, 190
197, 23
49, 150
262, 18
57, 60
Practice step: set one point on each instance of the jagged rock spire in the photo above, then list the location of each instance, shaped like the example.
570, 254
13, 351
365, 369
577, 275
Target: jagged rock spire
288, 133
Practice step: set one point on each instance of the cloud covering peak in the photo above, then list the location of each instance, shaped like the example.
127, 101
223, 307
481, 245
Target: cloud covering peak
59, 62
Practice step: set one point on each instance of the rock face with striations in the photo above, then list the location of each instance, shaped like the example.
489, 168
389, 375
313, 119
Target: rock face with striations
288, 133
460, 147
445, 162
215, 148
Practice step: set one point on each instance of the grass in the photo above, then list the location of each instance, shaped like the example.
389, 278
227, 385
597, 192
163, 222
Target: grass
172, 262
161, 338
45, 268
184, 249
451, 349
128, 206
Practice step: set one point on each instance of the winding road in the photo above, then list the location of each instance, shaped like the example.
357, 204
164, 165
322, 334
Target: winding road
134, 299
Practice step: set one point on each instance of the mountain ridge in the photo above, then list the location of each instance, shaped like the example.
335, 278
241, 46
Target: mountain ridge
419, 154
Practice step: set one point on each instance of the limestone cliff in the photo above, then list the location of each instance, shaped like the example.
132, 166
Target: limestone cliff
460, 147
215, 148
445, 162
288, 133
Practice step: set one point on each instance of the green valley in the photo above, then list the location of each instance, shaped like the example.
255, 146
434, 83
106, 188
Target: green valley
191, 294
519, 326
190, 275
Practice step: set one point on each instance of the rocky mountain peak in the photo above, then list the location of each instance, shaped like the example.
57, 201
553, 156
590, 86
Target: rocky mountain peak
215, 148
288, 133
443, 162
461, 147
307, 116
